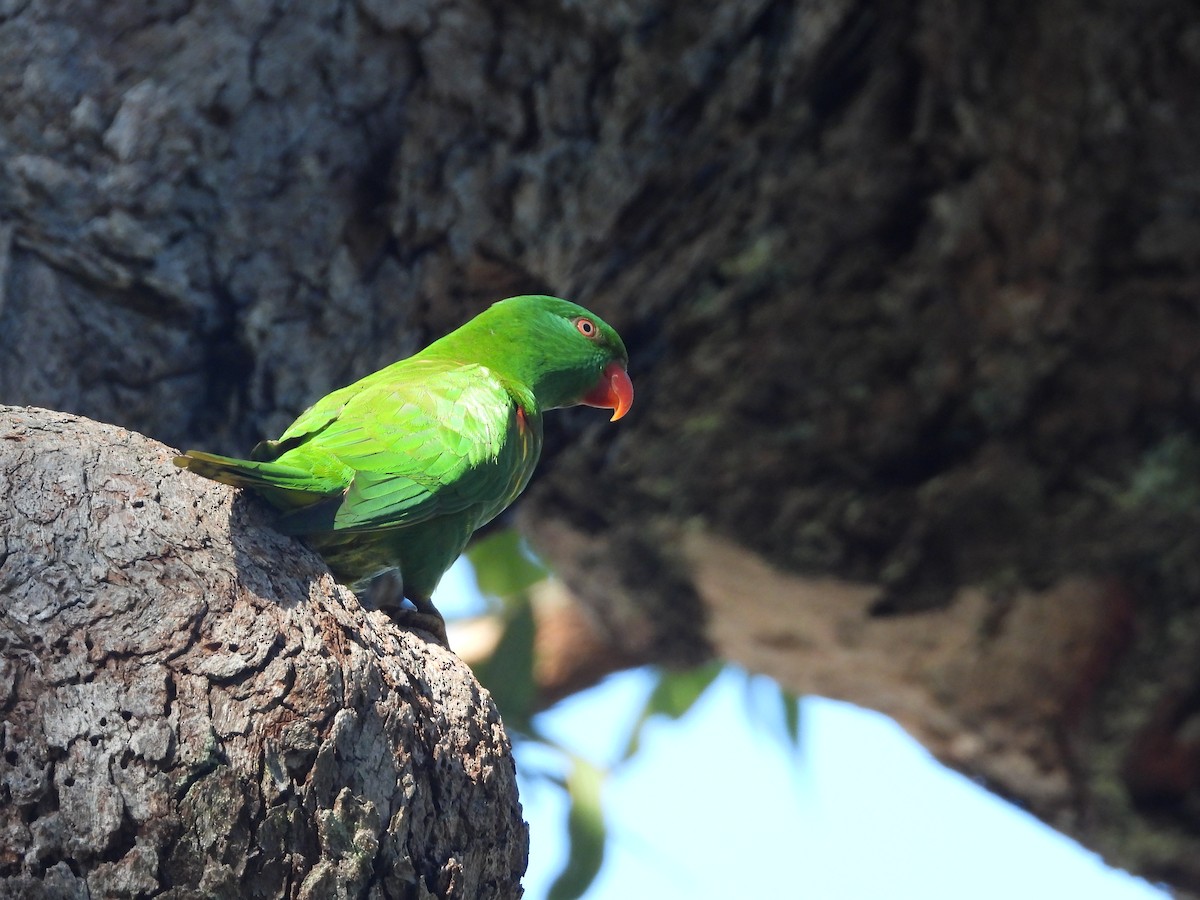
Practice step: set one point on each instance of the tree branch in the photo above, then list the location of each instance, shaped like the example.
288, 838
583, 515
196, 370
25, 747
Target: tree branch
191, 703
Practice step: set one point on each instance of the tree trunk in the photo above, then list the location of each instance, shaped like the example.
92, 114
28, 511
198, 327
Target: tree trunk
192, 707
910, 290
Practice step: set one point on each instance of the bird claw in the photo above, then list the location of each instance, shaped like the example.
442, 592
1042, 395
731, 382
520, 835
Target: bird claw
430, 622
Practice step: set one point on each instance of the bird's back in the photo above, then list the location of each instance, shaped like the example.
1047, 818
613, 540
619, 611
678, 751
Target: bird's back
427, 447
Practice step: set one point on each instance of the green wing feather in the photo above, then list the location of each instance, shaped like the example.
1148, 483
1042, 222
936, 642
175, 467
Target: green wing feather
420, 439
284, 485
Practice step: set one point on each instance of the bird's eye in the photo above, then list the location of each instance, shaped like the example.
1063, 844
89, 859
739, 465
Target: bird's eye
586, 327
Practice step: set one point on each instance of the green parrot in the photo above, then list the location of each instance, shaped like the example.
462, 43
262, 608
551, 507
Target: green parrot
398, 470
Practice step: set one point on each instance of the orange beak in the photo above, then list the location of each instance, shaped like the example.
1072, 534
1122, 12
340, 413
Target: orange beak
614, 391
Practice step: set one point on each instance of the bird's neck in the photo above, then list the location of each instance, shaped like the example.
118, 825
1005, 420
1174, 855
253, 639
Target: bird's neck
516, 359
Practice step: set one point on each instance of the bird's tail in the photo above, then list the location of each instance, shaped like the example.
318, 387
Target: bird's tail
283, 486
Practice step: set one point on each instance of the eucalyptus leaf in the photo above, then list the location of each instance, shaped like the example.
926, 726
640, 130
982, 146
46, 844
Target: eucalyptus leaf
503, 567
508, 672
791, 717
673, 695
586, 832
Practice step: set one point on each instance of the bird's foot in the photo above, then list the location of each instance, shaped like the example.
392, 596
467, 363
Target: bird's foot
430, 621
385, 592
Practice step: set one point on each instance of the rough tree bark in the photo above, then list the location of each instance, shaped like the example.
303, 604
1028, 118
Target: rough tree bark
192, 707
910, 290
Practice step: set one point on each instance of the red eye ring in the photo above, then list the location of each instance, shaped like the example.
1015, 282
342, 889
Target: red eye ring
586, 327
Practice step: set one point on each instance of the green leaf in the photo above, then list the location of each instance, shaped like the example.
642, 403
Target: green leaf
508, 672
791, 717
773, 707
503, 567
585, 831
673, 695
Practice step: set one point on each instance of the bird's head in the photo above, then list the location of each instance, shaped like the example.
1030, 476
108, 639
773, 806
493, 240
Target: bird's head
555, 350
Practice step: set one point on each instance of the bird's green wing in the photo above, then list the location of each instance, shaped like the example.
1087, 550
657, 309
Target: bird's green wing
430, 439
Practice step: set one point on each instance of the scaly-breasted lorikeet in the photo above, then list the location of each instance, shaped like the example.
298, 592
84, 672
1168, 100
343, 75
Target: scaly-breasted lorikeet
399, 469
